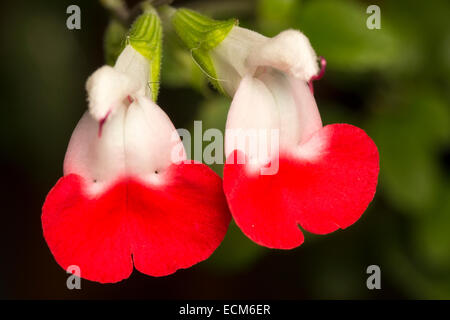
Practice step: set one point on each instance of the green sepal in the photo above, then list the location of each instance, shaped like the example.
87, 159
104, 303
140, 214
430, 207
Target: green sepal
145, 36
201, 34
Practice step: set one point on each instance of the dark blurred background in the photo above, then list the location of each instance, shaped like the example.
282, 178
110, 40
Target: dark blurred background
393, 82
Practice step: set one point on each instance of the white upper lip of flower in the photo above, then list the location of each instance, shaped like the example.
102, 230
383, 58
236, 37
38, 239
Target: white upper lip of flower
243, 51
290, 52
108, 87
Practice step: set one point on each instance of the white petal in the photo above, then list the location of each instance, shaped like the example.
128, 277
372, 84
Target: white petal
271, 102
244, 51
279, 86
150, 139
252, 120
290, 52
136, 66
108, 87
136, 142
98, 159
230, 55
308, 120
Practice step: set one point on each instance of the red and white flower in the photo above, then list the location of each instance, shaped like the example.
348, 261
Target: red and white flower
123, 200
326, 175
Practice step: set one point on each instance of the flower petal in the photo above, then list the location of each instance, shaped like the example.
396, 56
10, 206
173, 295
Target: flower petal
164, 228
135, 66
109, 87
252, 112
229, 56
290, 52
243, 52
270, 111
150, 140
181, 223
89, 233
98, 159
326, 185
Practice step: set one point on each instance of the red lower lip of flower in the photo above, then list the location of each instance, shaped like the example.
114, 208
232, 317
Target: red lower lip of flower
160, 229
321, 195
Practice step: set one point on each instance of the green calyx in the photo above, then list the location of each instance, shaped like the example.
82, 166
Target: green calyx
145, 36
201, 34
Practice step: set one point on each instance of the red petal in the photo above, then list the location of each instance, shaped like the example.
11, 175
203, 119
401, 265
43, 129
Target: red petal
161, 228
321, 194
